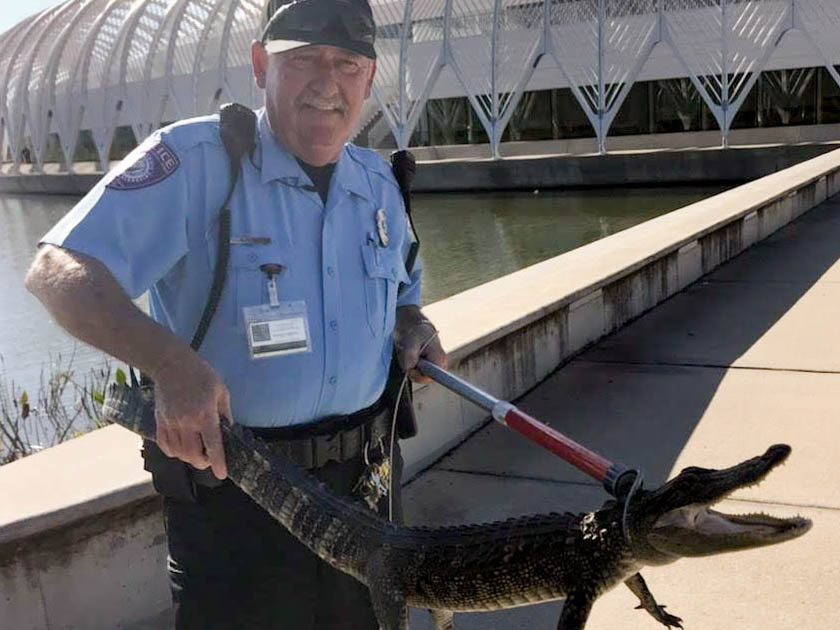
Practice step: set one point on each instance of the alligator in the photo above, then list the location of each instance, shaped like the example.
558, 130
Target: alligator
497, 565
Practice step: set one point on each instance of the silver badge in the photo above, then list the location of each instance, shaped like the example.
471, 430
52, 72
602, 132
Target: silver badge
382, 227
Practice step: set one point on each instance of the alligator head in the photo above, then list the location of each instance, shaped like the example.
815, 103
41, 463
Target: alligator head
676, 520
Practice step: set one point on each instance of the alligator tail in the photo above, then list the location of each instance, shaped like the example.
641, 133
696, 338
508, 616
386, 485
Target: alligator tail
341, 532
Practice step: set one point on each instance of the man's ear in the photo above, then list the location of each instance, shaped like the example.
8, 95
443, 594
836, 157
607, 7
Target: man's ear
259, 63
370, 79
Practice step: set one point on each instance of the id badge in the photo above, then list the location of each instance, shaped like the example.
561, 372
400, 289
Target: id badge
277, 329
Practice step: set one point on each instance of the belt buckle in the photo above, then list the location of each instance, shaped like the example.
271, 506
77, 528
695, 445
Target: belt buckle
298, 451
351, 443
327, 447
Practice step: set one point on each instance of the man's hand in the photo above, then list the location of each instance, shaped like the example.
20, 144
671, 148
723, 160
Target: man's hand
190, 398
415, 338
87, 301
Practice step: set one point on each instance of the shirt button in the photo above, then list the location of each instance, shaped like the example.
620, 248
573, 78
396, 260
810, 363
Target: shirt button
330, 271
333, 380
252, 257
334, 325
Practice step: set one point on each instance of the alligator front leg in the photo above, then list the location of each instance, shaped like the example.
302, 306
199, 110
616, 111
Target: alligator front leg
390, 610
575, 611
636, 583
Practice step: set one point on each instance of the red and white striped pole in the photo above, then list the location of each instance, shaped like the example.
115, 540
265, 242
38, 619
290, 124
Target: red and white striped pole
617, 479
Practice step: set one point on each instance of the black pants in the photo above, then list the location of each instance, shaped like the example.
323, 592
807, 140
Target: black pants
232, 566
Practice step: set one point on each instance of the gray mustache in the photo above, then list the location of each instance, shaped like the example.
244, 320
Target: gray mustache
324, 103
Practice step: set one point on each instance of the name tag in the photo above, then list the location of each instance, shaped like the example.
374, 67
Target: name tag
277, 329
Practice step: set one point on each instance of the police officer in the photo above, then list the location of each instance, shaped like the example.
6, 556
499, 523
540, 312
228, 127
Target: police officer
301, 343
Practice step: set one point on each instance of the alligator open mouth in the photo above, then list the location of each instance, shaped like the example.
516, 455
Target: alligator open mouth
692, 528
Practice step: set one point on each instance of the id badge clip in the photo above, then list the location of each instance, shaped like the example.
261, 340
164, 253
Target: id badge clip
276, 328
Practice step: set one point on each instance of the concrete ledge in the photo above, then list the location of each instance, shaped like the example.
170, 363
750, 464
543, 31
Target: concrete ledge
67, 483
41, 183
60, 568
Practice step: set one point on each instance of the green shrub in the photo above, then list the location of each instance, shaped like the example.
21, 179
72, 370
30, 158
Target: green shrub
65, 407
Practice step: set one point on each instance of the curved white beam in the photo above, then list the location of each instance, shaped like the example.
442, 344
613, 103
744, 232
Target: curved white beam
143, 10
8, 44
81, 74
76, 95
170, 54
113, 91
202, 46
46, 100
127, 35
15, 136
62, 118
222, 69
31, 115
150, 114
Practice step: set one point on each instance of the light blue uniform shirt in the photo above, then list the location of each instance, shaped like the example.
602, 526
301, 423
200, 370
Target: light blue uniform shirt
153, 223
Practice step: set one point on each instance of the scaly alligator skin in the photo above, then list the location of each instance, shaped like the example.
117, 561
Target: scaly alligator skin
496, 565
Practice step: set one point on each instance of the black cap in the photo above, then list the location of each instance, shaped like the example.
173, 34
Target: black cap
347, 24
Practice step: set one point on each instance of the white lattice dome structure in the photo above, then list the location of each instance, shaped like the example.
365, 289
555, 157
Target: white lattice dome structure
99, 65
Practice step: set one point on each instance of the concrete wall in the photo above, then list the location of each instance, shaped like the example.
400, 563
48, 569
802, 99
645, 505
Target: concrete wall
82, 544
683, 166
81, 539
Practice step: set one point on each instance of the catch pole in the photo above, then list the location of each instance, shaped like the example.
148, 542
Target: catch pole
616, 478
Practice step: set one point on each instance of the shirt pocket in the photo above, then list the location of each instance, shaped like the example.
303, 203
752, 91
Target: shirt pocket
384, 271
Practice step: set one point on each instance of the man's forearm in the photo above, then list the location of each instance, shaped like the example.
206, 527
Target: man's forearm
86, 300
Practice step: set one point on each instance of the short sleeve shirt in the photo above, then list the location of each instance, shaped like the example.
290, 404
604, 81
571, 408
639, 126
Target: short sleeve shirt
153, 222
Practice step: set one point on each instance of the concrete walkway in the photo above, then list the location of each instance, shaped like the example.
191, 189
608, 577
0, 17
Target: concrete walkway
748, 357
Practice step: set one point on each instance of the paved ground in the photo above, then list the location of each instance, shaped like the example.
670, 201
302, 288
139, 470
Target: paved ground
744, 359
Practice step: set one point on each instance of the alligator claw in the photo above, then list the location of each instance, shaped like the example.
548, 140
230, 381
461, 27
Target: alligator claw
666, 619
658, 613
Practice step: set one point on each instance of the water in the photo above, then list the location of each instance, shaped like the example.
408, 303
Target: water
471, 238
467, 239
29, 338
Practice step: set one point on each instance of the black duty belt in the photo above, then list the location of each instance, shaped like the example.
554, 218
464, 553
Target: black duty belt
338, 438
319, 448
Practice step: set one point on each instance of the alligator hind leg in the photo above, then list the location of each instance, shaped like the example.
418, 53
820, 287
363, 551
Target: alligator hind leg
637, 584
443, 619
575, 611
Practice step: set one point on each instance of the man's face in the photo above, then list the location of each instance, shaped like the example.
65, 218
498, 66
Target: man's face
313, 97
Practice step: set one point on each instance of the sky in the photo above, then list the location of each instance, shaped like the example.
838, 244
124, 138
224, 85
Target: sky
13, 11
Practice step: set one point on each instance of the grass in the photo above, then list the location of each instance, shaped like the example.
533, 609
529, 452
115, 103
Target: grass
65, 406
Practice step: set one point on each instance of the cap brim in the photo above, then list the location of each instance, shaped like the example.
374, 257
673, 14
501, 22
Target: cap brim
282, 45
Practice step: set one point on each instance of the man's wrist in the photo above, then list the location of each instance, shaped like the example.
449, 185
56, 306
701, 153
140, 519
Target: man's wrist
172, 362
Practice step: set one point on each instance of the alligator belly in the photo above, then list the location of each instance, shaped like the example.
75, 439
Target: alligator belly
478, 595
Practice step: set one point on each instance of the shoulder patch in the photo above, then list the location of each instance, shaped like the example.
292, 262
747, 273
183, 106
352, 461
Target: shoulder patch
155, 165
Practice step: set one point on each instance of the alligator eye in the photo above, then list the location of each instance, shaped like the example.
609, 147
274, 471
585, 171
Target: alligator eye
695, 470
